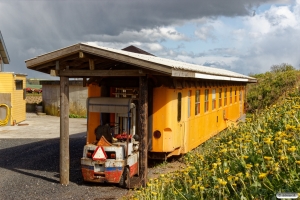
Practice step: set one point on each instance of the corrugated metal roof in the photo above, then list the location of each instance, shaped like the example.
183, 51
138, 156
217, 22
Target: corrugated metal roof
176, 65
3, 51
176, 68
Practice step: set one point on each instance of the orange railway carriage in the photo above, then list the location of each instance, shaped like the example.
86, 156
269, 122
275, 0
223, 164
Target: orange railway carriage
181, 119
185, 118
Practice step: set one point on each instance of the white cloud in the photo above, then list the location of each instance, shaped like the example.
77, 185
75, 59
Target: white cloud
205, 33
144, 35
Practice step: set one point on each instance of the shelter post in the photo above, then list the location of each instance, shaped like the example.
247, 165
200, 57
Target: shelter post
64, 160
143, 127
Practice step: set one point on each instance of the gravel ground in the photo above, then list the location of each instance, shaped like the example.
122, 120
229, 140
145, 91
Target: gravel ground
29, 169
29, 163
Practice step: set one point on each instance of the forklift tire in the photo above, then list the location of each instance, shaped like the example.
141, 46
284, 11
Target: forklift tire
125, 179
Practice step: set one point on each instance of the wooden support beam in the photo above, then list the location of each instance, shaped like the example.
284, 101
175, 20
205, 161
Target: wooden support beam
91, 64
57, 65
84, 82
143, 128
91, 73
64, 156
43, 66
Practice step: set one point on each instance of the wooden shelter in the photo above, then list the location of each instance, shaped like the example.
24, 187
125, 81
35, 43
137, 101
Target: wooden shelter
119, 68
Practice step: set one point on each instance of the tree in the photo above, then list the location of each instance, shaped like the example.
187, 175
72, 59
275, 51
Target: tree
282, 68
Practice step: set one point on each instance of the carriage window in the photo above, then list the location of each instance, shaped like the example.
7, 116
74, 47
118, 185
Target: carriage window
206, 101
230, 96
235, 95
225, 96
197, 102
189, 102
213, 95
179, 107
220, 97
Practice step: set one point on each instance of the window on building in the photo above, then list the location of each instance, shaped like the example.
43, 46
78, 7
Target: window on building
19, 84
179, 107
220, 97
206, 101
197, 102
213, 96
230, 95
189, 102
225, 96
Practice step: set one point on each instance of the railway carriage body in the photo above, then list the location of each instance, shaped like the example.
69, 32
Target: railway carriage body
180, 119
185, 118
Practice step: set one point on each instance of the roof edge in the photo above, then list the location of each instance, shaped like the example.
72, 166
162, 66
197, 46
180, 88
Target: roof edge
4, 53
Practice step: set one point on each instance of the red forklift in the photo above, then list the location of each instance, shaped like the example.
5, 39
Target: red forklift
113, 157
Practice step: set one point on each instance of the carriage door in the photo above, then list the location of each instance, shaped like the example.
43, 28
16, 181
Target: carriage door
178, 140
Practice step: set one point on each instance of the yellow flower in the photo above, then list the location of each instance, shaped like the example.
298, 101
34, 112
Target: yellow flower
223, 150
292, 149
223, 183
262, 175
214, 165
201, 188
245, 157
284, 141
249, 166
247, 174
229, 178
283, 158
193, 187
269, 142
226, 171
267, 158
298, 162
229, 142
259, 151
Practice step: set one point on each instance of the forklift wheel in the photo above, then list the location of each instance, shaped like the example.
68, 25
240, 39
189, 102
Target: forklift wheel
125, 179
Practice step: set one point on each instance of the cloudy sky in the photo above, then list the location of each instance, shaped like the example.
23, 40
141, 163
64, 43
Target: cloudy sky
245, 36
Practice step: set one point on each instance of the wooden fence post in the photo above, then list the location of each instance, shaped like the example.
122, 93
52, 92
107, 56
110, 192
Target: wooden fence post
143, 128
64, 156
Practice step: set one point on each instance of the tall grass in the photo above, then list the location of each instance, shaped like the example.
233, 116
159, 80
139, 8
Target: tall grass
254, 160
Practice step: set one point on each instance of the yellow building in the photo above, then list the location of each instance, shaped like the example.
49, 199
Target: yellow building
12, 92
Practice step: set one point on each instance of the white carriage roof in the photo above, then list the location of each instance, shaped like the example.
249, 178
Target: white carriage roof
167, 66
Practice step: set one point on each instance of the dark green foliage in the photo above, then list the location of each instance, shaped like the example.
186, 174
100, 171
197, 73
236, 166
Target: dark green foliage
271, 86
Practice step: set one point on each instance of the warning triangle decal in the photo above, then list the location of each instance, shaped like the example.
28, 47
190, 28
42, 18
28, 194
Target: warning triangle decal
99, 154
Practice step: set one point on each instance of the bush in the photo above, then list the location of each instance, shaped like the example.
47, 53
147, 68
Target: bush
271, 86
